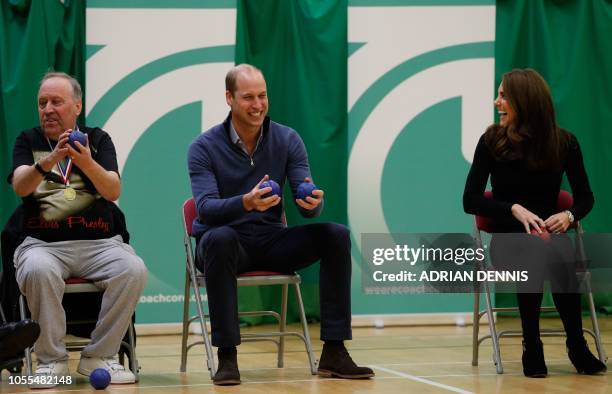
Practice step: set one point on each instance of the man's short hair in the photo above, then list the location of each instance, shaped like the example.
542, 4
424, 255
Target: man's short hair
232, 75
77, 93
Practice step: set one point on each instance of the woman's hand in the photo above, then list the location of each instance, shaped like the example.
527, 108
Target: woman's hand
558, 223
528, 218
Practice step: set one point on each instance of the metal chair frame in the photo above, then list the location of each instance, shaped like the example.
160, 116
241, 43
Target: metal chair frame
195, 280
565, 202
2, 316
78, 285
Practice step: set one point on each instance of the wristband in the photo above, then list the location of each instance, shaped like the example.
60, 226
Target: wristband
41, 170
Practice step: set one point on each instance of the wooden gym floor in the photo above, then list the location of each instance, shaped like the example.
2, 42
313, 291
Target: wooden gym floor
427, 359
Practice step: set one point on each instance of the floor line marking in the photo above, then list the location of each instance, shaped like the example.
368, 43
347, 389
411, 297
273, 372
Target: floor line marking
421, 380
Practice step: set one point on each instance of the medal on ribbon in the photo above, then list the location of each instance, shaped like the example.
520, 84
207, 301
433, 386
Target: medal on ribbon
69, 193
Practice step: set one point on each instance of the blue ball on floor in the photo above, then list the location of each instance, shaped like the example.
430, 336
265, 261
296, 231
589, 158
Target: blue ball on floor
275, 188
99, 378
305, 189
77, 135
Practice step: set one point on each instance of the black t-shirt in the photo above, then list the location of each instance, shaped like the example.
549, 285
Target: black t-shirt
48, 214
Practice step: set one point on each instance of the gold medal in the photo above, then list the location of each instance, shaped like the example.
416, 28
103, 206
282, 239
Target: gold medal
69, 193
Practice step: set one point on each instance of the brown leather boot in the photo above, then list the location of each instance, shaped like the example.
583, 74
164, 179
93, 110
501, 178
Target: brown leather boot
336, 362
227, 373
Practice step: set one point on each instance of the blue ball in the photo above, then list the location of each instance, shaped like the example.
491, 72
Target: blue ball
99, 378
305, 189
275, 188
77, 135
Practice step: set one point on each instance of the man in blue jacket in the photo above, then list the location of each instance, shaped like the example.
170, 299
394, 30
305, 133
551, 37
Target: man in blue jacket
239, 226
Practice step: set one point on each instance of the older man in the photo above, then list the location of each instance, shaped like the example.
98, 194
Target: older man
67, 190
239, 227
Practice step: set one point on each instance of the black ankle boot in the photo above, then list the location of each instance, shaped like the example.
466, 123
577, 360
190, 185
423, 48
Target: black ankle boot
533, 360
584, 361
17, 336
336, 361
227, 373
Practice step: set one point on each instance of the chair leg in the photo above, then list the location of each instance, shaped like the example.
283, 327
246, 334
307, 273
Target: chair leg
185, 324
308, 344
475, 327
493, 330
210, 360
28, 350
598, 343
282, 325
132, 349
2, 315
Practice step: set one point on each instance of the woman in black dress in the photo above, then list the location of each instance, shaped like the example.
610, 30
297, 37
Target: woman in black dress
526, 155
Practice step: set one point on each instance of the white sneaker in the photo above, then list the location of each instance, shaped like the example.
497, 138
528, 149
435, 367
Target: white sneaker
117, 372
48, 375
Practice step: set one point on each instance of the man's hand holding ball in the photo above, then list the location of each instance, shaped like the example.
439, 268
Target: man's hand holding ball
255, 200
308, 196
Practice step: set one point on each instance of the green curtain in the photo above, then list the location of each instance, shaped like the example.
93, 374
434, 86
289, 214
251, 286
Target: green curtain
35, 36
301, 47
568, 42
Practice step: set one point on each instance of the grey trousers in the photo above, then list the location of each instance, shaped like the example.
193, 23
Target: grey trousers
41, 268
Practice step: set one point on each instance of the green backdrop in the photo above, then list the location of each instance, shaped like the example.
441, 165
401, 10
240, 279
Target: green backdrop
302, 47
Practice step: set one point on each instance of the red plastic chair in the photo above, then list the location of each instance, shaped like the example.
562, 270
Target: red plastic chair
487, 225
194, 279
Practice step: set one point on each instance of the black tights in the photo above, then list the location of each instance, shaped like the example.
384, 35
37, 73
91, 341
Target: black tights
569, 308
552, 260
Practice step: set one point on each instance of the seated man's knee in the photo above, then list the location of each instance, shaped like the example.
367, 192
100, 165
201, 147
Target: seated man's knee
37, 264
137, 268
130, 266
218, 243
338, 233
221, 239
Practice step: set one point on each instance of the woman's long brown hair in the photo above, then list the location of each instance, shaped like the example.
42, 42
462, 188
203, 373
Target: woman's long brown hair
533, 136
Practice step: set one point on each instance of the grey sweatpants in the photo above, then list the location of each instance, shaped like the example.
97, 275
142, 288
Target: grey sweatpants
41, 268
